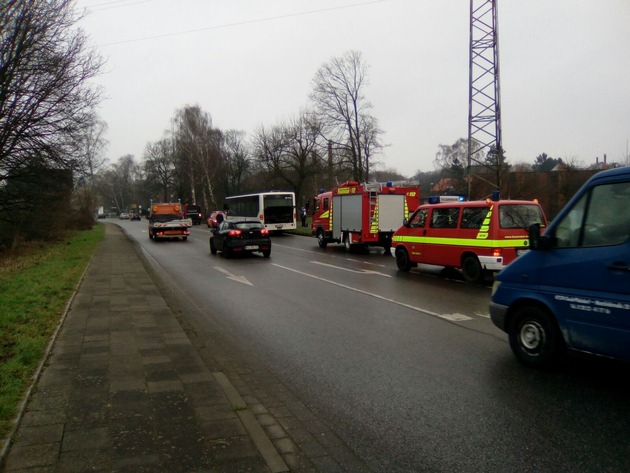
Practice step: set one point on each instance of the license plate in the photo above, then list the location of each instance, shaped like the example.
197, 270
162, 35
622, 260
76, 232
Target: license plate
251, 247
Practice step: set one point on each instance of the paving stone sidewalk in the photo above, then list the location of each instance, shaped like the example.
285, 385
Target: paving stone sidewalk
127, 387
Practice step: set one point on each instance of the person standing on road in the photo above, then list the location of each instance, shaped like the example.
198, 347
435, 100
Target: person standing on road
303, 216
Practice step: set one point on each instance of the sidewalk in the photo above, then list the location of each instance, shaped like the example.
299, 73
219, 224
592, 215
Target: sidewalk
125, 389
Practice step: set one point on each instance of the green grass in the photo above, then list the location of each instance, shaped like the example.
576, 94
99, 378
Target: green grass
300, 230
35, 287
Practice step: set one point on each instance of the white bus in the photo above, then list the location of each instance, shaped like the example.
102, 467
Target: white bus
275, 210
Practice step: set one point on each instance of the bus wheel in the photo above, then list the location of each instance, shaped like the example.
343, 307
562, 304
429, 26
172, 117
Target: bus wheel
321, 240
402, 259
472, 270
534, 338
346, 241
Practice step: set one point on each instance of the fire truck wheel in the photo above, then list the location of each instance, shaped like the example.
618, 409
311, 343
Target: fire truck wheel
321, 240
472, 270
402, 259
346, 241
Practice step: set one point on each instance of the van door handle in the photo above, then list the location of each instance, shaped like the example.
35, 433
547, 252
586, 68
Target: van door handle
619, 266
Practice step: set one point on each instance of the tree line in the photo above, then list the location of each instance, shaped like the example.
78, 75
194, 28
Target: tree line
53, 169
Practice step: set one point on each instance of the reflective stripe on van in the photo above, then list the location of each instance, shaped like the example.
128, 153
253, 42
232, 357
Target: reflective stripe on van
504, 243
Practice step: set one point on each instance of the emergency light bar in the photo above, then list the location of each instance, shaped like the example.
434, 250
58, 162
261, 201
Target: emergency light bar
436, 199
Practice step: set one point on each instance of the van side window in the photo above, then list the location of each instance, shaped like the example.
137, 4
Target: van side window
419, 219
599, 218
472, 217
445, 218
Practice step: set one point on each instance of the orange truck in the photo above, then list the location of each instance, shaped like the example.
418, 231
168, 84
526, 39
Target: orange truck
362, 214
168, 220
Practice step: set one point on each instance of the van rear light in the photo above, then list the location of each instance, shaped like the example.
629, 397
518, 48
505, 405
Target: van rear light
496, 252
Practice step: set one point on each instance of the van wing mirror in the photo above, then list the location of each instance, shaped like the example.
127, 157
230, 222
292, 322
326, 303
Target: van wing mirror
538, 241
534, 236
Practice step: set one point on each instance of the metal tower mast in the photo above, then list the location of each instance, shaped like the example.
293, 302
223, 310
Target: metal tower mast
484, 105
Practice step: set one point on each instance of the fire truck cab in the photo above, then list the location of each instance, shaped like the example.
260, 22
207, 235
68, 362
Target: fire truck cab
474, 236
362, 214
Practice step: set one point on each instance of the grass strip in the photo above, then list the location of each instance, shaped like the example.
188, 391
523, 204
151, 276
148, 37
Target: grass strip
34, 290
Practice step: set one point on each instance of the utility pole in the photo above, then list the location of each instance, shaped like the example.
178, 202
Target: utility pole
484, 104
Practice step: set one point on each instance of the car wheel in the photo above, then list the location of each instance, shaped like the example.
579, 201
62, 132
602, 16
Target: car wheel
534, 338
213, 249
402, 259
321, 240
266, 253
472, 270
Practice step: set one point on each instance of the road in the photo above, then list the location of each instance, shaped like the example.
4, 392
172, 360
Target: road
406, 367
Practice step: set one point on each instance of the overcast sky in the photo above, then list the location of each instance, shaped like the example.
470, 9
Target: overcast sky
565, 70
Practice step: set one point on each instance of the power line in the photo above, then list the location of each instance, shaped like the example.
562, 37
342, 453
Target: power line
246, 22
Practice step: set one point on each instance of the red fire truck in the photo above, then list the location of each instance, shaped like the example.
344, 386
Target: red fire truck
362, 214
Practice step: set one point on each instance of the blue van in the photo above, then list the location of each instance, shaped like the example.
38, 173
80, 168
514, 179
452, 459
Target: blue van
572, 289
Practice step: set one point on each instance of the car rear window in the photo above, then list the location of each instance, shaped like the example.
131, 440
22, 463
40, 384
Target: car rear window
249, 225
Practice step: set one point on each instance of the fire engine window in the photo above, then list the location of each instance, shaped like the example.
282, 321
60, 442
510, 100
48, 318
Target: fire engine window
419, 219
326, 203
445, 218
473, 217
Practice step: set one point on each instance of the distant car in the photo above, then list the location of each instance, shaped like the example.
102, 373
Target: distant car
234, 237
124, 216
212, 219
193, 212
135, 217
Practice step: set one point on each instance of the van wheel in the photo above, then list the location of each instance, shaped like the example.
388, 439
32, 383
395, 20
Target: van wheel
472, 270
321, 240
534, 338
402, 259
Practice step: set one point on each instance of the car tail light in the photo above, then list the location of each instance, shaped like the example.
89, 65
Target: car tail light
264, 231
234, 233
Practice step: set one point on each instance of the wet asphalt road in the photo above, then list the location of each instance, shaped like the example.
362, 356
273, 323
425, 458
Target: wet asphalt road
407, 368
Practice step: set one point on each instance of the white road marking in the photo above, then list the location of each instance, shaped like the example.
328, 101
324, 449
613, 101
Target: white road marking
450, 317
357, 271
241, 279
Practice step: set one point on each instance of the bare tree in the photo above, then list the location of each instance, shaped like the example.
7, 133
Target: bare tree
289, 151
159, 165
237, 161
46, 100
343, 110
200, 154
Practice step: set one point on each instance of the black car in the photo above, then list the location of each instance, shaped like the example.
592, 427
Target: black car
193, 212
239, 236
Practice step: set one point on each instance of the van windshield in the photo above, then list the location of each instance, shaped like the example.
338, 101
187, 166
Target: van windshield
520, 216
